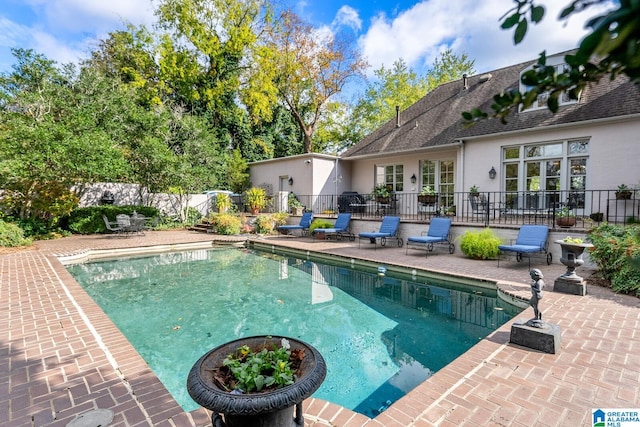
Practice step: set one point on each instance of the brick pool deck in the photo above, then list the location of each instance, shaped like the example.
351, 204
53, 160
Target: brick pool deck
61, 356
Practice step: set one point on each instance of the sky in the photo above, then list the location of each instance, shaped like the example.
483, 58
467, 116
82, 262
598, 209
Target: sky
385, 30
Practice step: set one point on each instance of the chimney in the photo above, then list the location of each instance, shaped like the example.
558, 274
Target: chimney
465, 82
397, 116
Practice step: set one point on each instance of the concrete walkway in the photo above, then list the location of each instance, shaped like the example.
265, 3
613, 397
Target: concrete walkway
61, 356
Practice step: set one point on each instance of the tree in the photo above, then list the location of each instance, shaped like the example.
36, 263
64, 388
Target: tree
311, 67
612, 48
398, 86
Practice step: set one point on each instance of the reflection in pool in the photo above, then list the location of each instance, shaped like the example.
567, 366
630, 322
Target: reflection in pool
380, 335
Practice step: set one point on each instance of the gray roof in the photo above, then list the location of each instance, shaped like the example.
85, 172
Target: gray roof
435, 120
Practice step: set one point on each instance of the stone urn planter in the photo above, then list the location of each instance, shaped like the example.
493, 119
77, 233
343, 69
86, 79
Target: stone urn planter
566, 221
274, 408
570, 282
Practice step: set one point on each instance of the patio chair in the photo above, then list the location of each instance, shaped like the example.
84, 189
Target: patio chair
388, 230
124, 222
114, 227
438, 232
340, 228
531, 240
303, 226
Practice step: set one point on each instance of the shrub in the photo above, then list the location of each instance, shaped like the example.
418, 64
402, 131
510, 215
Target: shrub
320, 223
616, 252
264, 224
480, 244
11, 235
280, 218
225, 223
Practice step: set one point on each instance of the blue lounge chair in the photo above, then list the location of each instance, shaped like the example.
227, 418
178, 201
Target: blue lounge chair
303, 226
439, 232
340, 228
388, 230
531, 240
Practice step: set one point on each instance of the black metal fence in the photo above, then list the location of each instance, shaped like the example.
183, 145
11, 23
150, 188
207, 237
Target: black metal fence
557, 208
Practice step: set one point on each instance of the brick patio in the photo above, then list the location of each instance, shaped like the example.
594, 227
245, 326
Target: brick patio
61, 356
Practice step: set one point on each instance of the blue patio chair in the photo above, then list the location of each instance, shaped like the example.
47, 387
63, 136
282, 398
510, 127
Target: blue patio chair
339, 229
388, 230
531, 240
303, 226
439, 232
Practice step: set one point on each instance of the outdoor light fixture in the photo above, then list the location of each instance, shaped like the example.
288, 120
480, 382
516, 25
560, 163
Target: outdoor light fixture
413, 178
290, 181
492, 173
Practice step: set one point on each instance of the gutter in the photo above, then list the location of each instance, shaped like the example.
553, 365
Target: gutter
629, 117
456, 144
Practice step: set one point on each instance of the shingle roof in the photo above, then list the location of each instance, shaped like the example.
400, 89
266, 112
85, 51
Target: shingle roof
435, 120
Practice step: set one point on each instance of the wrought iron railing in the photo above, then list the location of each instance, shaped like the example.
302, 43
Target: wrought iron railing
582, 208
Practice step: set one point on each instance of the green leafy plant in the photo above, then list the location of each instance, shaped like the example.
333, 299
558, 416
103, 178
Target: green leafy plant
427, 190
261, 368
225, 223
11, 235
320, 223
223, 202
480, 244
474, 190
565, 212
616, 252
293, 201
381, 190
264, 224
570, 239
255, 198
623, 187
280, 218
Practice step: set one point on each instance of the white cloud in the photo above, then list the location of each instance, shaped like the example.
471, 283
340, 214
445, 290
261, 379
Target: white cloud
349, 17
420, 33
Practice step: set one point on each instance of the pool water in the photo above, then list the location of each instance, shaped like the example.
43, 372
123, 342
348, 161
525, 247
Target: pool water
380, 336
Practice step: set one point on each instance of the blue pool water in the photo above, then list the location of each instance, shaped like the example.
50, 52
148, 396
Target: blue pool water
380, 336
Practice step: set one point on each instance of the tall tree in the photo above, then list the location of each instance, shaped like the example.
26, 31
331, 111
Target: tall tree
311, 67
399, 86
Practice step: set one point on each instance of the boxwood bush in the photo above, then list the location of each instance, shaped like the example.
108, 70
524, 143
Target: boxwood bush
480, 244
89, 220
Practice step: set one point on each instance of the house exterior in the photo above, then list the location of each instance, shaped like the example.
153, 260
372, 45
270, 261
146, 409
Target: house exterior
591, 144
537, 160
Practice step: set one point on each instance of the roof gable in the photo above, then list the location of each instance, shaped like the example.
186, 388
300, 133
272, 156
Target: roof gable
436, 119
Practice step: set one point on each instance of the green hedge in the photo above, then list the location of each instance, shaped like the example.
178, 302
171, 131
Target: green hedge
480, 244
616, 251
12, 235
89, 220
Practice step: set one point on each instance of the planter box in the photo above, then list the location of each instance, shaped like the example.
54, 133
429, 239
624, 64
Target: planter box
623, 195
428, 199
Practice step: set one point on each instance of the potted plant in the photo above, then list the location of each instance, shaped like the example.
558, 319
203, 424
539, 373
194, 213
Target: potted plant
257, 381
256, 199
474, 191
295, 206
427, 195
381, 193
624, 192
565, 217
223, 202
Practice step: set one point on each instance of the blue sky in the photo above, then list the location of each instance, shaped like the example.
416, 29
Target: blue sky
385, 30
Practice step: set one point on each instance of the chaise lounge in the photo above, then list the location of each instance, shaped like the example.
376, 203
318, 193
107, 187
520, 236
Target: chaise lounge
303, 226
388, 230
531, 240
339, 229
439, 232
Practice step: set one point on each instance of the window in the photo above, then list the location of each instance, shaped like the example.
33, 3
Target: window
390, 175
541, 102
439, 175
535, 174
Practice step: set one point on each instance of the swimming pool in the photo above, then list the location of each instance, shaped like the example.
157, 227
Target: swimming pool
380, 335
